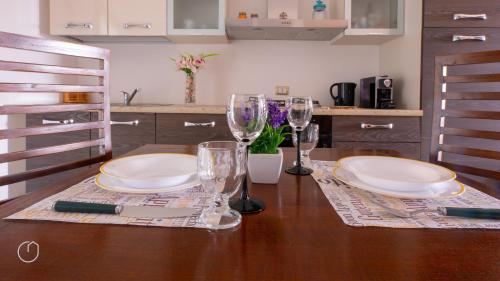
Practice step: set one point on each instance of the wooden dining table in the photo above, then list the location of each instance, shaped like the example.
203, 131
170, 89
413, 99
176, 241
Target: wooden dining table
298, 236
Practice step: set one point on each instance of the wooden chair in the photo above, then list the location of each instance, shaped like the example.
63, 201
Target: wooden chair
466, 121
64, 50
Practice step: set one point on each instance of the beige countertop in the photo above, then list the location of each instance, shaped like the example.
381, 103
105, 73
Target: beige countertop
220, 109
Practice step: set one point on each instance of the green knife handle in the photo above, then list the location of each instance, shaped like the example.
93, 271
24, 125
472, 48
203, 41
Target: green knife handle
82, 207
478, 213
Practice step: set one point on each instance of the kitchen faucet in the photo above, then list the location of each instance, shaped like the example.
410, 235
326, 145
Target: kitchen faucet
127, 98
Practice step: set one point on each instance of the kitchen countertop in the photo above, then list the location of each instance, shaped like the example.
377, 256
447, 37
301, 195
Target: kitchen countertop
220, 109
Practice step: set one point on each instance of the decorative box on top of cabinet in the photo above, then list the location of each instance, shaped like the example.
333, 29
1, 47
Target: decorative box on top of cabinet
451, 27
401, 134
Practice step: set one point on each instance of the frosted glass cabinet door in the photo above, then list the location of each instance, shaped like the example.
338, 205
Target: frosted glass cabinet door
196, 17
375, 17
137, 17
79, 17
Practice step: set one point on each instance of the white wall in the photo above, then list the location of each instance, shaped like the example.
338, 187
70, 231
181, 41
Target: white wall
309, 68
401, 57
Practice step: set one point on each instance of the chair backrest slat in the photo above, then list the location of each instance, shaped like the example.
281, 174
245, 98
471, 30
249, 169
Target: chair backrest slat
466, 121
63, 51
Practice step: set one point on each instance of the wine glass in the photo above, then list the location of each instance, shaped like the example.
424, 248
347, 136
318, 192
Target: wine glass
308, 140
246, 116
221, 170
300, 111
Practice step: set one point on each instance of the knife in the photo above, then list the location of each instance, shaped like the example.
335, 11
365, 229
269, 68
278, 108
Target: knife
122, 210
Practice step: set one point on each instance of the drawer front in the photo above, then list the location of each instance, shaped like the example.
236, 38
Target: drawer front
407, 150
438, 41
462, 13
376, 129
32, 142
183, 129
128, 131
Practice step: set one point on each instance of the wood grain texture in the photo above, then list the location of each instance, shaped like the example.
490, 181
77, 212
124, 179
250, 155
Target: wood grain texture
348, 128
21, 109
405, 149
437, 41
125, 137
53, 69
439, 13
32, 87
298, 237
170, 128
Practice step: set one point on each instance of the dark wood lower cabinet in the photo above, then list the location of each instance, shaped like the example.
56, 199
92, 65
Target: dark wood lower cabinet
407, 150
176, 128
33, 142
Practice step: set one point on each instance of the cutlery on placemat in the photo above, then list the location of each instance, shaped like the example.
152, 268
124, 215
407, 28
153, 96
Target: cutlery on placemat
122, 210
477, 213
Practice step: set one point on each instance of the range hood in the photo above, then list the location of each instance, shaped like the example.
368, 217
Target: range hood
287, 29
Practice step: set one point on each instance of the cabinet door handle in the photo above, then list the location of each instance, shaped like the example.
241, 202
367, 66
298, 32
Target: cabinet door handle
127, 123
470, 16
137, 25
468, 38
389, 126
208, 124
51, 121
79, 25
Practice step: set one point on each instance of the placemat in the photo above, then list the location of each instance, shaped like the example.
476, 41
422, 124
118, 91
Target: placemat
88, 191
355, 207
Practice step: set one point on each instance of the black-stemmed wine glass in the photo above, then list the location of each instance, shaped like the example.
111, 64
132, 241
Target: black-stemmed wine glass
300, 111
246, 116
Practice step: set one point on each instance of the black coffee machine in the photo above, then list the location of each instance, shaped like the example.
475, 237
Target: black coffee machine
376, 92
345, 93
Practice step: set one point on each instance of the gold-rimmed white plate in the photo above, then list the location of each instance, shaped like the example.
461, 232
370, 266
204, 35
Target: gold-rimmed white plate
115, 185
157, 170
397, 174
434, 191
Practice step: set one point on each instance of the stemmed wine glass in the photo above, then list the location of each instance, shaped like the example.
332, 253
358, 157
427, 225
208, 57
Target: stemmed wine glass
308, 141
220, 169
246, 116
300, 111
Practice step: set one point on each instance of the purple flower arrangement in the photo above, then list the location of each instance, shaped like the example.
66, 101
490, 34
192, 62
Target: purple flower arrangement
272, 135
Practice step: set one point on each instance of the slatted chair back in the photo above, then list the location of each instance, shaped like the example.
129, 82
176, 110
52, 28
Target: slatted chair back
99, 73
466, 121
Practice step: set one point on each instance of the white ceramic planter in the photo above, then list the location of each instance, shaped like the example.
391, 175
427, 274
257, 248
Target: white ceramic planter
265, 168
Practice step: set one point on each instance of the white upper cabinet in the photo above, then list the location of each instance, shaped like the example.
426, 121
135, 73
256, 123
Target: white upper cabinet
137, 17
372, 21
78, 17
196, 17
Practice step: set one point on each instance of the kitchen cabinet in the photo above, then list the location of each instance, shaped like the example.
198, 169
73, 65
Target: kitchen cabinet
39, 141
443, 35
371, 21
128, 131
79, 17
193, 129
190, 19
137, 17
401, 134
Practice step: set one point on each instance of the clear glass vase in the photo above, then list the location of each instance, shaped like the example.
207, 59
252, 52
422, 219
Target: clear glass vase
190, 93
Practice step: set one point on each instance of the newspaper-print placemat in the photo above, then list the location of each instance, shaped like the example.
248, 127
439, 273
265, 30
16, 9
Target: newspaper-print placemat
88, 191
355, 207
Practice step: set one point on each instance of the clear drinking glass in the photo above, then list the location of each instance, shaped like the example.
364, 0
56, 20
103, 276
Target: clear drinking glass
246, 116
221, 170
300, 110
308, 139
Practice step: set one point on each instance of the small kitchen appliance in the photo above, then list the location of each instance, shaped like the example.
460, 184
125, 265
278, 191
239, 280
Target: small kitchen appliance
376, 92
345, 93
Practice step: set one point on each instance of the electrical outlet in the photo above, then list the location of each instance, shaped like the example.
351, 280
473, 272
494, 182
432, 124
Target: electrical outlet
282, 90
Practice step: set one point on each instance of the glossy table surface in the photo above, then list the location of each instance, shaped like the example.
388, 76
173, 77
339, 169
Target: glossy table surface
298, 237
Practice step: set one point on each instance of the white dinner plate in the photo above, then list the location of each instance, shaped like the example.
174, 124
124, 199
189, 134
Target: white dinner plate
434, 191
397, 174
115, 185
156, 170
